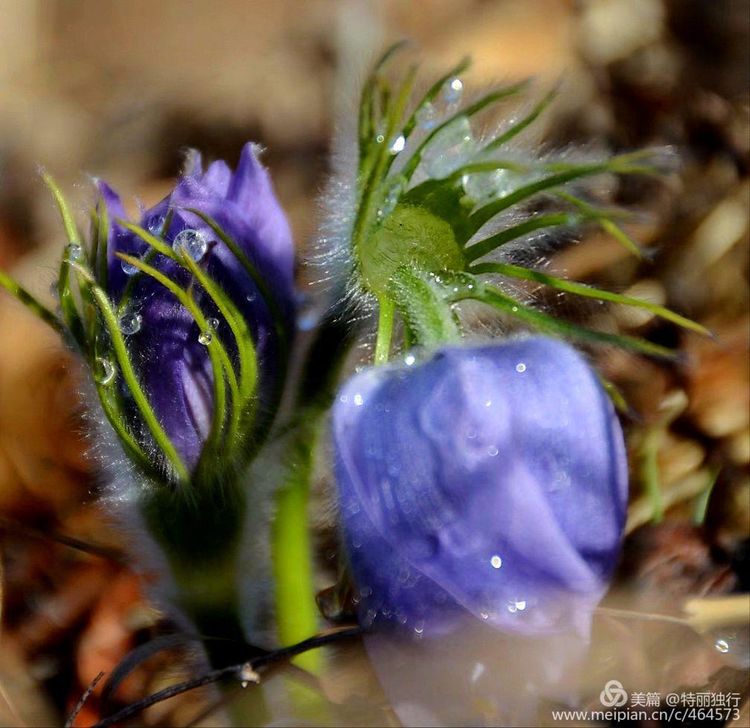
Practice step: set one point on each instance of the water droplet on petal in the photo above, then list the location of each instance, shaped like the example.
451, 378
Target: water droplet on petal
520, 367
409, 360
496, 561
74, 251
722, 646
380, 138
130, 323
492, 451
128, 268
156, 225
358, 400
193, 242
516, 605
205, 337
106, 373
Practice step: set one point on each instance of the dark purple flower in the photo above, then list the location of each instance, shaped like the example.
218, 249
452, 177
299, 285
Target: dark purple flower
489, 481
171, 361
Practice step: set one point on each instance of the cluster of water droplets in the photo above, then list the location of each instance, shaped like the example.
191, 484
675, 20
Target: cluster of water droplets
207, 335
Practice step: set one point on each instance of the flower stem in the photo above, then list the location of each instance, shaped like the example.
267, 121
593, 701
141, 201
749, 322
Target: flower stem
296, 611
385, 331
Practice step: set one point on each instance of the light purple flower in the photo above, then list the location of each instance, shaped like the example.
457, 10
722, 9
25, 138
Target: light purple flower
171, 361
489, 481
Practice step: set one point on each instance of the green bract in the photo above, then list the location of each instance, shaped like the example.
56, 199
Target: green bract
427, 228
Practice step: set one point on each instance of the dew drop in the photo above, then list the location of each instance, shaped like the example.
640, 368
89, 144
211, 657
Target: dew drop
488, 403
484, 615
409, 360
427, 117
722, 646
451, 148
369, 618
205, 337
130, 323
419, 628
74, 251
358, 400
496, 561
492, 451
516, 605
193, 242
128, 268
520, 367
379, 138
213, 323
453, 90
107, 371
156, 225
398, 144
391, 198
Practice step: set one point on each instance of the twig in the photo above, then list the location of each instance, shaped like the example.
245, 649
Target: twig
104, 552
230, 671
79, 705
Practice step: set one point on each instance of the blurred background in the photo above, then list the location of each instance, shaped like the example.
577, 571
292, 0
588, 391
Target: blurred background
120, 89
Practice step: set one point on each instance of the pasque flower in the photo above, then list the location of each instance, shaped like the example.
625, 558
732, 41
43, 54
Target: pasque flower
488, 481
230, 226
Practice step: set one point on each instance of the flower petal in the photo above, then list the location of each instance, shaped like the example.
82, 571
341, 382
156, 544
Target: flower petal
494, 474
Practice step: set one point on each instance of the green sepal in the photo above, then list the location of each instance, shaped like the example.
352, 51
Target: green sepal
422, 306
432, 94
220, 363
579, 289
472, 110
31, 302
68, 308
465, 286
506, 235
129, 376
243, 339
250, 269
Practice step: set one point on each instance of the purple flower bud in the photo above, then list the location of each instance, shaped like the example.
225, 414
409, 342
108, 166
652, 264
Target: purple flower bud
167, 347
488, 481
